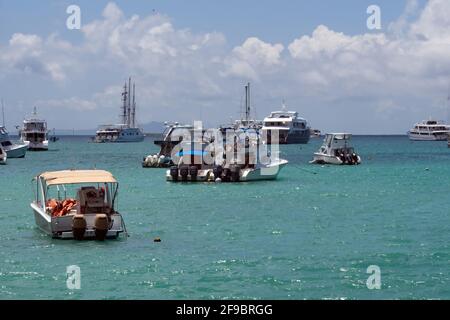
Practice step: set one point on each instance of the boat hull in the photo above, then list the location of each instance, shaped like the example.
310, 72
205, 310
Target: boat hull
61, 227
16, 151
37, 146
269, 172
432, 137
292, 137
327, 159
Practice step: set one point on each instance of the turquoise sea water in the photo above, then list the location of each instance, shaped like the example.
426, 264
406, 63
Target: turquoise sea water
310, 234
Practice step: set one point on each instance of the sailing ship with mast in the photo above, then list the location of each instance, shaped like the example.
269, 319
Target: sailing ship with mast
127, 130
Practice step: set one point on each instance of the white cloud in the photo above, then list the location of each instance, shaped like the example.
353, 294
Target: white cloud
181, 73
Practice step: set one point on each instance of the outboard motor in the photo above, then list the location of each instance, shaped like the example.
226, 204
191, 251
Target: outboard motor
217, 172
226, 175
174, 173
193, 172
78, 226
101, 226
235, 171
184, 172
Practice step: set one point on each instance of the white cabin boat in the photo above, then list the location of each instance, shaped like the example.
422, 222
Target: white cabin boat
77, 204
13, 150
34, 133
204, 165
336, 149
429, 130
3, 156
127, 130
291, 128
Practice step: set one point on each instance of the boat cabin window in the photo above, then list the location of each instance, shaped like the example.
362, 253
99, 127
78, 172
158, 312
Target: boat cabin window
6, 143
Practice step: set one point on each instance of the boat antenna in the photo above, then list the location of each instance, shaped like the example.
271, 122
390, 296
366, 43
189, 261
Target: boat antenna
34, 111
3, 113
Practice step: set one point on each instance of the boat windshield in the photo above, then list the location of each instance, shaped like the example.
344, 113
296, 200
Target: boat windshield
62, 200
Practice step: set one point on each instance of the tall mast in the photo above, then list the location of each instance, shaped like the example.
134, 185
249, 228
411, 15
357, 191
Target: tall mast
133, 112
124, 107
129, 103
247, 102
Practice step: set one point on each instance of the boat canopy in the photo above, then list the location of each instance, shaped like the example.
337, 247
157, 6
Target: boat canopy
340, 136
77, 177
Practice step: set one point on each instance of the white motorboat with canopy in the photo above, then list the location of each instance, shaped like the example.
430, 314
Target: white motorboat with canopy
77, 204
336, 149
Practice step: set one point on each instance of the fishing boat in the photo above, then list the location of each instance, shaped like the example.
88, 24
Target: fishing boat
127, 130
77, 204
13, 150
429, 130
34, 133
291, 128
200, 162
336, 149
172, 136
3, 156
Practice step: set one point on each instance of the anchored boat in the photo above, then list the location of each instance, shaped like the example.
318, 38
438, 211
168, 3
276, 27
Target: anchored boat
205, 162
3, 156
34, 133
77, 204
291, 128
336, 149
127, 130
429, 130
13, 150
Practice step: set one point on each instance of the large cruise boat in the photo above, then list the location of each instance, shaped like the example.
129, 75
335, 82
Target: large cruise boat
429, 130
34, 133
127, 130
291, 128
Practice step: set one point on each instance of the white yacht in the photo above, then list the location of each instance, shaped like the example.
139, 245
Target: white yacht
201, 163
3, 156
127, 130
429, 130
291, 128
34, 133
13, 150
77, 204
336, 149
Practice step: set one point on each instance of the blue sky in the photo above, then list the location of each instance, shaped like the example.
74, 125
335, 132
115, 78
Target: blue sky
191, 60
281, 20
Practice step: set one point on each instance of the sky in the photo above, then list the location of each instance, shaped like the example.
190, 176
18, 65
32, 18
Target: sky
191, 59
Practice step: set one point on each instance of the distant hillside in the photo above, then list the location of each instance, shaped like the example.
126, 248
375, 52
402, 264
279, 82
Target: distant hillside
153, 127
